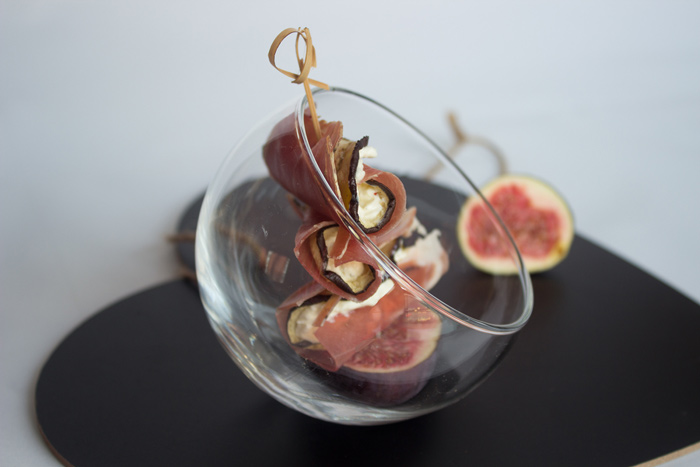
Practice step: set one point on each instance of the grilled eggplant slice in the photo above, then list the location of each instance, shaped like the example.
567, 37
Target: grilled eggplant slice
300, 324
352, 277
369, 202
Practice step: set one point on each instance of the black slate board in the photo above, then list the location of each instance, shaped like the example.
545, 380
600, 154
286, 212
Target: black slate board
607, 372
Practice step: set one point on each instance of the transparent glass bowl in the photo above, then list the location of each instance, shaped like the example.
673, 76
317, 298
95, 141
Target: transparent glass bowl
246, 268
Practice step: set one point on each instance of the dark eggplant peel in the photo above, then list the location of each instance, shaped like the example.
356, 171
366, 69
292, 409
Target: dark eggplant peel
300, 322
353, 277
369, 202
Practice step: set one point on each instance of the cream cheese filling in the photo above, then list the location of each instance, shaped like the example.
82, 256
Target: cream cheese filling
372, 204
368, 152
425, 251
301, 323
344, 307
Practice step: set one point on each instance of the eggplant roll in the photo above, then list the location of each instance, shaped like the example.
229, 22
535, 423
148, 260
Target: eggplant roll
376, 200
352, 279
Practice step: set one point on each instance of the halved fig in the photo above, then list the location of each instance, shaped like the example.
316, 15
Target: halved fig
410, 340
537, 217
396, 365
384, 389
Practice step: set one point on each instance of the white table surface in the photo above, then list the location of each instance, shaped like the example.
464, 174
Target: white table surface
115, 114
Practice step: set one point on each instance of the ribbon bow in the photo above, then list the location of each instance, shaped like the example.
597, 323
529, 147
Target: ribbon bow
305, 65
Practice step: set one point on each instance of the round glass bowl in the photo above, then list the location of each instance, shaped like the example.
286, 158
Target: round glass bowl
398, 354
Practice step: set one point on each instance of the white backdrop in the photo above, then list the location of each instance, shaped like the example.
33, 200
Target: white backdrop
115, 114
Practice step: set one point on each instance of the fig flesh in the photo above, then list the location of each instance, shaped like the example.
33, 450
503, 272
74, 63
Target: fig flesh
410, 340
396, 365
537, 217
383, 389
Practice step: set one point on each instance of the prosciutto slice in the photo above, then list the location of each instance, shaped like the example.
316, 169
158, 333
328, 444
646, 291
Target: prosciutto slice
282, 154
343, 335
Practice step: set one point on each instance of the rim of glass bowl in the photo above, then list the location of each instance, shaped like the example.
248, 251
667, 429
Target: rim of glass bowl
405, 282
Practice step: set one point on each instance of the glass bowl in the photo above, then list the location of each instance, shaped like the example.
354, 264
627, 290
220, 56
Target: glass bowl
367, 354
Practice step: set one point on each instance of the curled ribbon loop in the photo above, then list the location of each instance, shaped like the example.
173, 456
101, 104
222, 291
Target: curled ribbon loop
305, 65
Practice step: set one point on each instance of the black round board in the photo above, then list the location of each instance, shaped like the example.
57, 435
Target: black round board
605, 373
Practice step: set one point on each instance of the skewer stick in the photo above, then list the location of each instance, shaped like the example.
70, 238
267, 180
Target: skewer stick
305, 65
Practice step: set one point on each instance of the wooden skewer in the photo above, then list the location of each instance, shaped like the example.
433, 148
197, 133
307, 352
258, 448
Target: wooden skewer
305, 65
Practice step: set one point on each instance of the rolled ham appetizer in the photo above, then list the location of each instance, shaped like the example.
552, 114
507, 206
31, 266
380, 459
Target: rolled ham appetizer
351, 300
355, 280
376, 200
328, 330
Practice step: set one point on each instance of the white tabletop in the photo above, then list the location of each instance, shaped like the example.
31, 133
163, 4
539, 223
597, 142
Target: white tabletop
115, 114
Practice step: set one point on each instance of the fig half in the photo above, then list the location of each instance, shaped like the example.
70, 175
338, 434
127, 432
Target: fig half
396, 365
410, 340
537, 217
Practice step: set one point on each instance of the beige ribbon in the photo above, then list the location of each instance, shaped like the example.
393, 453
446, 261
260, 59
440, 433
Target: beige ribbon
462, 138
305, 65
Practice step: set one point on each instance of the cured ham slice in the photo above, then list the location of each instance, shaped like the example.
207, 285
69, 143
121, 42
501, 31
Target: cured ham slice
345, 334
283, 156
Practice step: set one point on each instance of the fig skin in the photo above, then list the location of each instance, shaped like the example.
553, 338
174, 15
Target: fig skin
541, 198
380, 389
